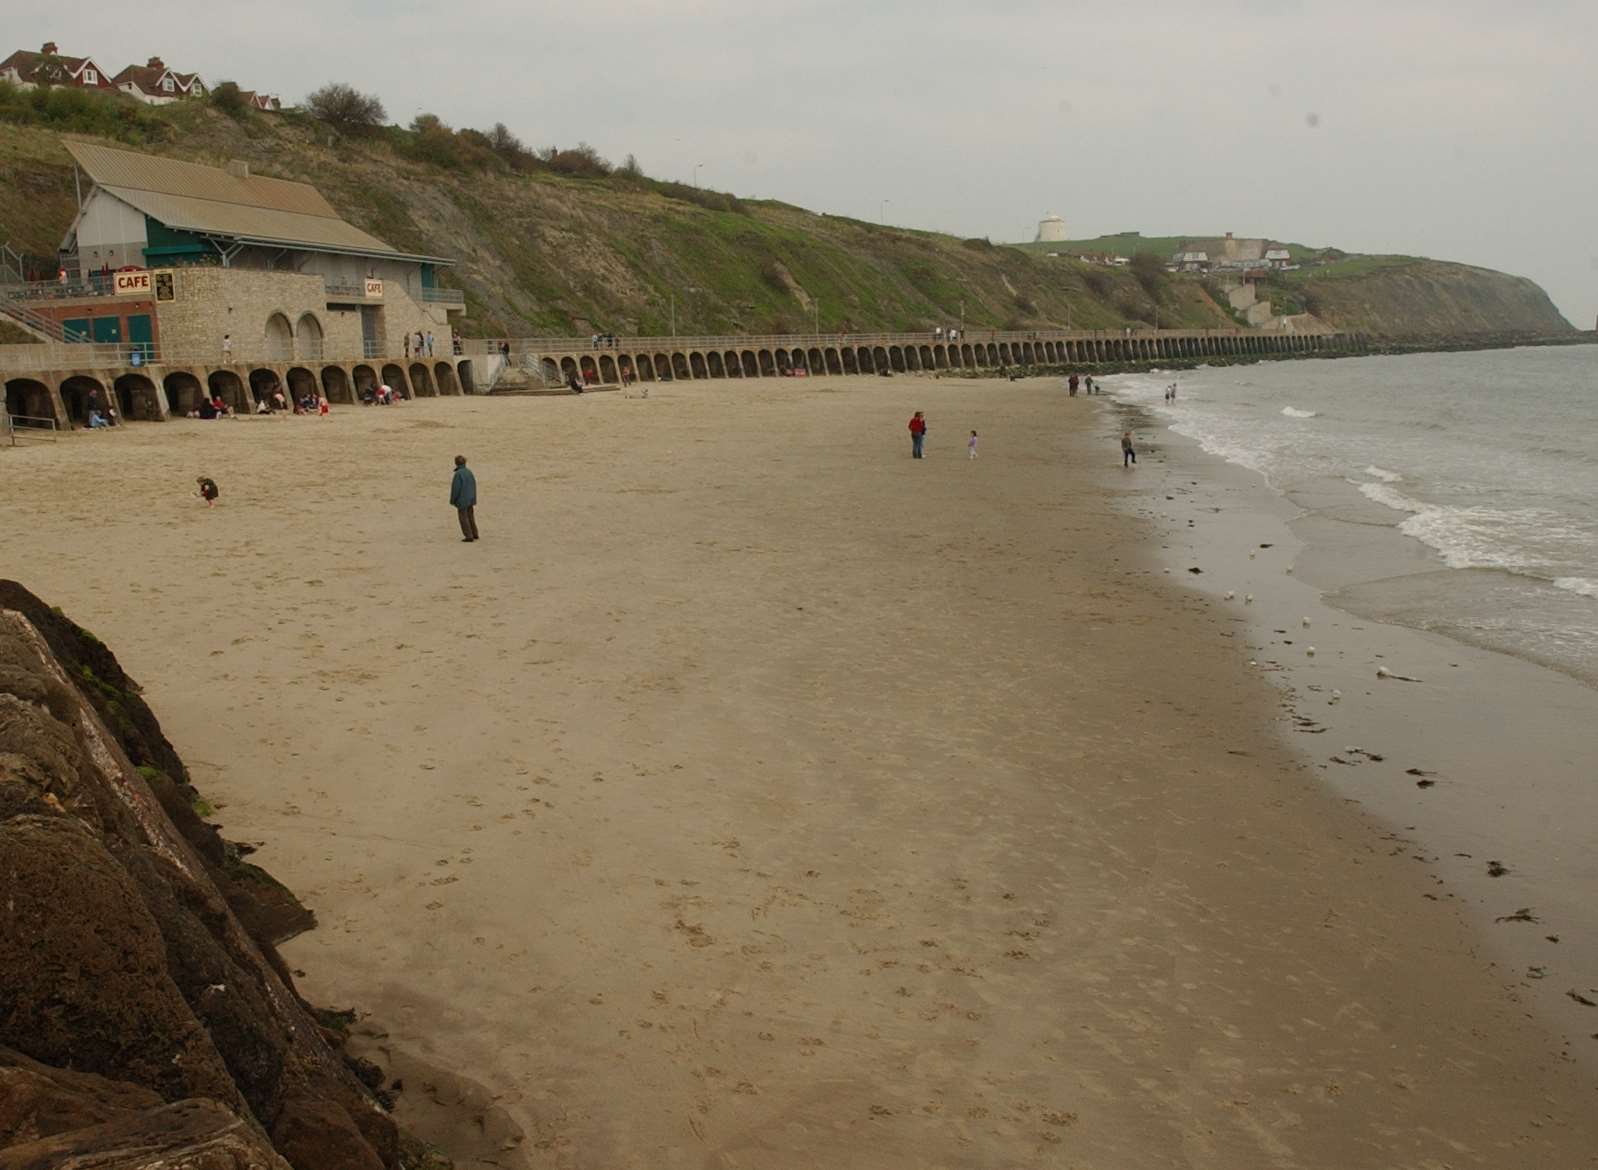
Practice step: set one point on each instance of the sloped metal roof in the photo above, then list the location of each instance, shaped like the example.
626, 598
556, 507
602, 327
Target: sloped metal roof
213, 202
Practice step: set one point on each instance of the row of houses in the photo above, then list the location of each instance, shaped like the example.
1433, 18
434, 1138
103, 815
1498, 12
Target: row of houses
153, 83
1229, 252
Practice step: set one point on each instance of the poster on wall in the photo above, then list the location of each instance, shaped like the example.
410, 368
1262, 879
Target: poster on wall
165, 288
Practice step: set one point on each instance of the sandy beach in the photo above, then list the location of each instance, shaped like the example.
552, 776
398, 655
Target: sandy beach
754, 796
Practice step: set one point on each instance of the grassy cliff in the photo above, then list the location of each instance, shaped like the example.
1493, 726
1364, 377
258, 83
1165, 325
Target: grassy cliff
542, 252
1414, 298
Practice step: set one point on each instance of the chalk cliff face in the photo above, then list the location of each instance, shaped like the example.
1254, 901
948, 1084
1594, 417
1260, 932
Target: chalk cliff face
145, 1018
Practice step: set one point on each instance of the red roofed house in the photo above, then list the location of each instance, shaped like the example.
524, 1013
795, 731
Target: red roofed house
260, 101
154, 84
26, 69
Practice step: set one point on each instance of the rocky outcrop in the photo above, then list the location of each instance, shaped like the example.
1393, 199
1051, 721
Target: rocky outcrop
137, 946
52, 1118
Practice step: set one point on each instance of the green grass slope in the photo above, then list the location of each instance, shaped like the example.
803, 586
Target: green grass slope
540, 252
1407, 297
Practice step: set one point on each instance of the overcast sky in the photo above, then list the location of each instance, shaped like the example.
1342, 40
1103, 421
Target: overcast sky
1458, 129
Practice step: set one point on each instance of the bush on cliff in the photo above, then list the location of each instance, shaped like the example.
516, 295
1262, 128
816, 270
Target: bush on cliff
229, 98
346, 109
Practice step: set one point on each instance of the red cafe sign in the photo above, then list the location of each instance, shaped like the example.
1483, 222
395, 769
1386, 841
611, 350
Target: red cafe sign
132, 283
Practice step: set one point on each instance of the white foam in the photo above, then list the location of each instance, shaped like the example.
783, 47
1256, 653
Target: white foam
1474, 537
1383, 474
1294, 412
1391, 496
1585, 586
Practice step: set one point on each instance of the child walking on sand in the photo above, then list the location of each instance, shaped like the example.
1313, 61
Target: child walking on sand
208, 490
1128, 452
971, 446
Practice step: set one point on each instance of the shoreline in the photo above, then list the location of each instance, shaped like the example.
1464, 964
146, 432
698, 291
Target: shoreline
756, 796
1507, 788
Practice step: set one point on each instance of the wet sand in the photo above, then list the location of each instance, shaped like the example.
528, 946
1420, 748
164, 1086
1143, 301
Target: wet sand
1483, 769
755, 796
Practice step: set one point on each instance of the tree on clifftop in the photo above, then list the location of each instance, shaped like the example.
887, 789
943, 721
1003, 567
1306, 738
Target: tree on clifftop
346, 109
227, 97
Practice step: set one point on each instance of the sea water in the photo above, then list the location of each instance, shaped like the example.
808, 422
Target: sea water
1490, 459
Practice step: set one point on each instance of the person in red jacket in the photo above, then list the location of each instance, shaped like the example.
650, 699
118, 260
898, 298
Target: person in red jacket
918, 434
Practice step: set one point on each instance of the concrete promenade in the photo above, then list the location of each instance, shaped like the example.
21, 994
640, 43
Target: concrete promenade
53, 380
656, 359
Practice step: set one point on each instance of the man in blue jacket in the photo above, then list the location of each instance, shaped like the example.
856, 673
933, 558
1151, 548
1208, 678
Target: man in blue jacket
463, 498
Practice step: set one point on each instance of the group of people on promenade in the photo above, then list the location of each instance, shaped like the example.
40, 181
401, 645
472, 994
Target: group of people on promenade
419, 344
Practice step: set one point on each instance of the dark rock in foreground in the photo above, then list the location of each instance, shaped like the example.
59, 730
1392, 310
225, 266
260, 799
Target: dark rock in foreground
145, 1018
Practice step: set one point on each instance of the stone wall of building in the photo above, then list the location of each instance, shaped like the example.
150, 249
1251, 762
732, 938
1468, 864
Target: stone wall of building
251, 306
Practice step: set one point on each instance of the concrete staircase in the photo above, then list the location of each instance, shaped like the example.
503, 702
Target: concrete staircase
16, 313
525, 377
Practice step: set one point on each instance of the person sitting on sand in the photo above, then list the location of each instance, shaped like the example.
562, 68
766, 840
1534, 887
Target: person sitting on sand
1128, 452
208, 490
97, 420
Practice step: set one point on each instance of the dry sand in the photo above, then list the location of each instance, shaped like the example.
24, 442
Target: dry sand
754, 796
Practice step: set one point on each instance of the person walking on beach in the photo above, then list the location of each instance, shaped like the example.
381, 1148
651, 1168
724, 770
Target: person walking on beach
1072, 383
971, 446
208, 490
1088, 382
463, 498
1128, 452
918, 434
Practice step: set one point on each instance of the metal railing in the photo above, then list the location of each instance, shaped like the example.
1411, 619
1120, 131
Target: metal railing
57, 355
520, 345
34, 322
443, 296
528, 353
39, 428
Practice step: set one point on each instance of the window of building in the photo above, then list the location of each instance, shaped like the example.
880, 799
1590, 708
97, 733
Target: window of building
90, 77
166, 84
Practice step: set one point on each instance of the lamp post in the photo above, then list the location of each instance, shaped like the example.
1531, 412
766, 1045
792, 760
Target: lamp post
962, 318
815, 316
696, 174
882, 211
673, 314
